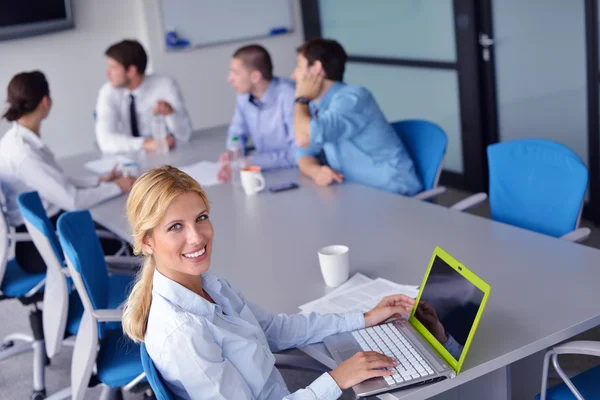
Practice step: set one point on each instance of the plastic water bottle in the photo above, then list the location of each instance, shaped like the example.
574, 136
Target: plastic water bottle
159, 134
235, 159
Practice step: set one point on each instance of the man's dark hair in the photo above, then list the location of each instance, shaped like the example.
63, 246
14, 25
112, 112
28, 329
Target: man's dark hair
330, 53
127, 53
25, 92
256, 57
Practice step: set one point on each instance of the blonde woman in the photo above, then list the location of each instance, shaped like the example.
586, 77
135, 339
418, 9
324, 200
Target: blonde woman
206, 340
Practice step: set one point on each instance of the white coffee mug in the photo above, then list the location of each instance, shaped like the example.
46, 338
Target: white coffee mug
335, 264
252, 180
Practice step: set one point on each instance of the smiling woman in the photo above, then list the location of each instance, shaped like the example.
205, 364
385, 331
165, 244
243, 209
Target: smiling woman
204, 338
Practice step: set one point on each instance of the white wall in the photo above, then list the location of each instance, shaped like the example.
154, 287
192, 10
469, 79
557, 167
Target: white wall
73, 62
202, 73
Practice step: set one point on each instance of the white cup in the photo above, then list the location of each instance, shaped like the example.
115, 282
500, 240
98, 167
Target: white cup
252, 180
335, 264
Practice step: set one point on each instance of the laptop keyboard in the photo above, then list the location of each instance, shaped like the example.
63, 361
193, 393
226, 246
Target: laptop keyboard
387, 339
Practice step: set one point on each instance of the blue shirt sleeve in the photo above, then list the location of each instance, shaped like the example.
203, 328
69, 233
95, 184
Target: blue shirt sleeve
341, 118
285, 331
312, 150
275, 159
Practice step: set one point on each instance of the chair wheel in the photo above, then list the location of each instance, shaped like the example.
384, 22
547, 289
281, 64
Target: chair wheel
38, 395
7, 345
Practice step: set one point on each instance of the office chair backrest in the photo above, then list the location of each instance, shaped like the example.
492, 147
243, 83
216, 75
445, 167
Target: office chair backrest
56, 296
161, 391
426, 142
536, 184
5, 242
83, 251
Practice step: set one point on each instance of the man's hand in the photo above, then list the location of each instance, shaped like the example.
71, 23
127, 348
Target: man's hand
150, 144
326, 176
309, 86
112, 175
163, 108
125, 183
224, 174
225, 157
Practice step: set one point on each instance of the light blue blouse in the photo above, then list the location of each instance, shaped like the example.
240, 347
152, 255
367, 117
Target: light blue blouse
224, 350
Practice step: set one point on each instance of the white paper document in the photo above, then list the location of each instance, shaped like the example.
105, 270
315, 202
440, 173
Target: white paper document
356, 280
361, 298
105, 164
204, 172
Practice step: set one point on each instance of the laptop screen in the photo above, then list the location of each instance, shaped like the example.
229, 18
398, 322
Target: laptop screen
448, 306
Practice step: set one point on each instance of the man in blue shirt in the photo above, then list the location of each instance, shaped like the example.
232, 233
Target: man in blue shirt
344, 123
264, 111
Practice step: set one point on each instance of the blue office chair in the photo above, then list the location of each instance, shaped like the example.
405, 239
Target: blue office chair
100, 341
535, 184
426, 142
161, 391
583, 386
58, 294
15, 283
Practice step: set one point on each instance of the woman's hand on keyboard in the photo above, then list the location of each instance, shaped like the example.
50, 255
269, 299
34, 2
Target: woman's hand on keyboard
389, 306
362, 366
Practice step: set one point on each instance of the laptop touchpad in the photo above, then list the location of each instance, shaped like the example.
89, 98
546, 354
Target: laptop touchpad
346, 354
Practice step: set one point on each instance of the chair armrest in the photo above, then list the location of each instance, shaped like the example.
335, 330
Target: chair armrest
431, 193
581, 347
20, 237
108, 315
36, 288
107, 235
299, 362
126, 261
469, 202
578, 235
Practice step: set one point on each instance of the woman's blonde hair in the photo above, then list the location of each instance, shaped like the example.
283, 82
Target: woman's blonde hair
148, 201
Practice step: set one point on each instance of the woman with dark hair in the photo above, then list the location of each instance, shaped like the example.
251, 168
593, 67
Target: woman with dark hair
27, 164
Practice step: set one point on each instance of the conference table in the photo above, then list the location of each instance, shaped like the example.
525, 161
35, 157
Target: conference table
544, 290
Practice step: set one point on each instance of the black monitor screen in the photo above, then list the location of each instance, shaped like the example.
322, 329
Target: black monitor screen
448, 306
19, 12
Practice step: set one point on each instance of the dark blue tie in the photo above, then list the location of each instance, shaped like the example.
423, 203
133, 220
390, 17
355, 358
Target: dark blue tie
133, 117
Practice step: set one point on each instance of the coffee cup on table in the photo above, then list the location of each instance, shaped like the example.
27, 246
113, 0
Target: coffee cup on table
252, 180
335, 264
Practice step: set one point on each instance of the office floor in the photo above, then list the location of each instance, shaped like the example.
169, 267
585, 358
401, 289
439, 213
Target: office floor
15, 374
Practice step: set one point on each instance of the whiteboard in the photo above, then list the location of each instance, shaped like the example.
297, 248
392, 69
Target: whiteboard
210, 22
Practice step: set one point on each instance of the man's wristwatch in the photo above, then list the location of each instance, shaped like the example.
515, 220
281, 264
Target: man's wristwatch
302, 100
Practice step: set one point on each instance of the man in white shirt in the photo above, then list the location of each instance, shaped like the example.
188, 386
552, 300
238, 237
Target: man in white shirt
129, 100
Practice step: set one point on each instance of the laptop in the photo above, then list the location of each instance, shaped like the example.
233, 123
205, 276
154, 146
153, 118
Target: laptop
433, 343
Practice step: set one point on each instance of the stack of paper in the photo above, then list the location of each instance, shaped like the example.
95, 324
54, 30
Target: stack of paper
359, 293
105, 164
204, 172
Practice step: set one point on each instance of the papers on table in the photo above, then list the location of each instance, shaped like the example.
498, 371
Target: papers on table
359, 293
204, 172
106, 164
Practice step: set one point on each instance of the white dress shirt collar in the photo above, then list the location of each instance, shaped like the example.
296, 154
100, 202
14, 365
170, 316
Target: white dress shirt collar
138, 90
184, 298
28, 136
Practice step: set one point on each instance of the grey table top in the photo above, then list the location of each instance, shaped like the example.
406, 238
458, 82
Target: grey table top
544, 290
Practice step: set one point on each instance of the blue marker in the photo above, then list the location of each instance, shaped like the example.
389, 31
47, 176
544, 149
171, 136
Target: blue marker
278, 31
173, 40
